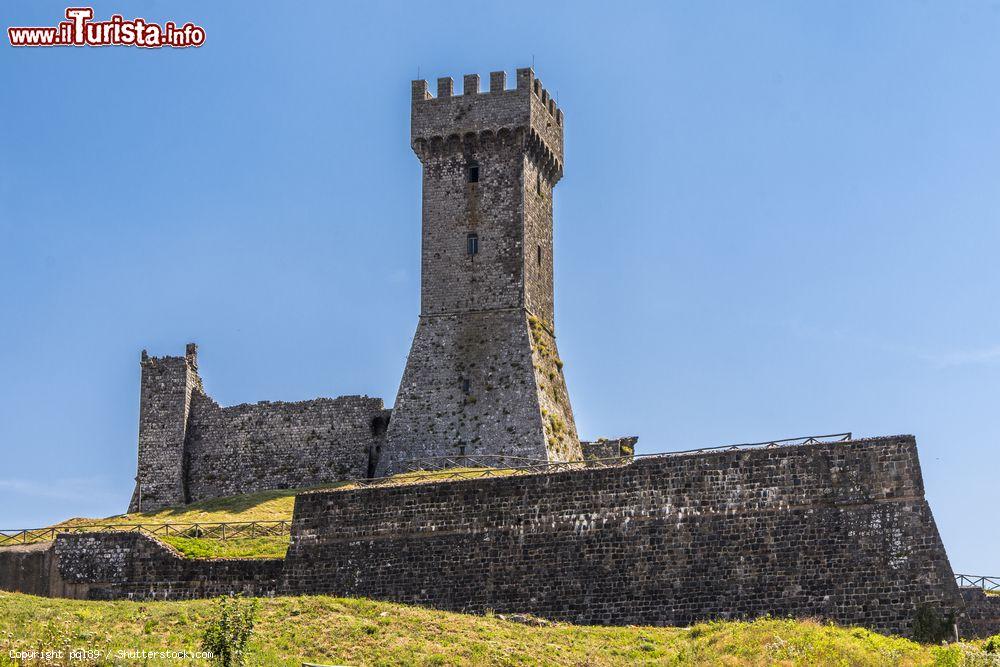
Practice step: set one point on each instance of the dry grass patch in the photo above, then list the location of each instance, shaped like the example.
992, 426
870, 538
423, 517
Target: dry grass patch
325, 630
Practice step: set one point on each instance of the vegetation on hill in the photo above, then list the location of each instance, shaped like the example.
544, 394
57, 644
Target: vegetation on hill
326, 630
263, 506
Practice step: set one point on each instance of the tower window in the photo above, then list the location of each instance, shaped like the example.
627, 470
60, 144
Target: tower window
539, 249
538, 183
473, 172
472, 244
466, 385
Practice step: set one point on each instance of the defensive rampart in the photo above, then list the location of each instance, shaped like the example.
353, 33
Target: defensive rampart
832, 530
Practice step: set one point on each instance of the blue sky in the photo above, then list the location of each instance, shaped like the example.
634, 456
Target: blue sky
777, 219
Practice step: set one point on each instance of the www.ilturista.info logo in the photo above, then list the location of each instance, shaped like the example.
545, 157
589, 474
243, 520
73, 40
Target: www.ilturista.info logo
79, 30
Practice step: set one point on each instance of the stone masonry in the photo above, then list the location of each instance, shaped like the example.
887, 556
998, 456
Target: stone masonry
835, 530
484, 374
982, 613
128, 565
192, 449
839, 531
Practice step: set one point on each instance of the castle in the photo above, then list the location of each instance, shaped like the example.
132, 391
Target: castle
833, 529
483, 379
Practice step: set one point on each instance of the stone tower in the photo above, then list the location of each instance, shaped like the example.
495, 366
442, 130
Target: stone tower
483, 376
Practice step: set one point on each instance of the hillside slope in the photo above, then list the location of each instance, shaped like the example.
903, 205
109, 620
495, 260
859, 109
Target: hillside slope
328, 630
274, 505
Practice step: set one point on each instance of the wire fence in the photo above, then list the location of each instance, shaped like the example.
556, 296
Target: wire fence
415, 471
223, 530
978, 581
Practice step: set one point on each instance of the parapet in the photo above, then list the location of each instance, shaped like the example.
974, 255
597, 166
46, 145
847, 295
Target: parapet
526, 111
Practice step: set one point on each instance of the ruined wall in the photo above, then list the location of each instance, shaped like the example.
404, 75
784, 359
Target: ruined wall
166, 385
982, 614
253, 447
839, 531
119, 565
192, 449
604, 448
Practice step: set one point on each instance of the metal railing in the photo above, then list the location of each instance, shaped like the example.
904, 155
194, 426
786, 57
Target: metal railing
222, 530
978, 581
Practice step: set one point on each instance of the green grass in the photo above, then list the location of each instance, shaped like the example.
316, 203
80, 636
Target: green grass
240, 547
263, 506
328, 630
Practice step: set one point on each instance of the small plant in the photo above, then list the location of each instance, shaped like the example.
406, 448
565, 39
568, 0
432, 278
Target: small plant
992, 644
930, 626
228, 636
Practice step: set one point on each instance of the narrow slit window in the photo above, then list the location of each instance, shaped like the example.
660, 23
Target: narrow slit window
538, 183
472, 244
466, 385
473, 172
539, 255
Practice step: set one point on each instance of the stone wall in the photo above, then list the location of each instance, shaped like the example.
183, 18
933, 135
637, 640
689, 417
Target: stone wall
835, 530
118, 565
840, 531
469, 388
253, 447
192, 449
616, 448
166, 385
982, 614
26, 569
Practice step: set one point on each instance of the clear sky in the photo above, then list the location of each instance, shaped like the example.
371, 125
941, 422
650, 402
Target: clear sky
777, 219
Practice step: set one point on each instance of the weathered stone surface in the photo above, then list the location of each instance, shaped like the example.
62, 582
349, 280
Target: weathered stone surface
603, 449
192, 449
982, 614
26, 569
119, 565
839, 531
484, 374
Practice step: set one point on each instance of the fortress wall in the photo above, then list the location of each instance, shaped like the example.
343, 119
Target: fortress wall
26, 569
839, 530
982, 614
254, 447
120, 565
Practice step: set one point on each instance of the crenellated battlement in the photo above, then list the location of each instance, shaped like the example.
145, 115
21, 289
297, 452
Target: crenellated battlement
526, 112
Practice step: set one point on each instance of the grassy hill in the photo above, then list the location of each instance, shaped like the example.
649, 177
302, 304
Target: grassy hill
263, 506
328, 630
